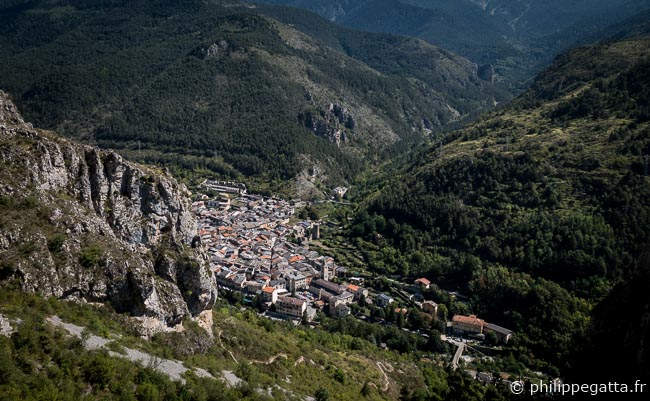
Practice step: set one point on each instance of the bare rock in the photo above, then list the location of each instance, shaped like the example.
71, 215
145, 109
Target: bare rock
216, 49
5, 327
110, 217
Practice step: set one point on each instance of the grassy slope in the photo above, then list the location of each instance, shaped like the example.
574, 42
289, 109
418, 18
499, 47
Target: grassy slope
310, 359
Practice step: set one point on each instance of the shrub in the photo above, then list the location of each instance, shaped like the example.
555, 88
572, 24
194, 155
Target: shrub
90, 256
55, 242
29, 202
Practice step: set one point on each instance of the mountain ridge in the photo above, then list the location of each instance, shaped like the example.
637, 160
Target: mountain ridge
516, 38
549, 190
186, 98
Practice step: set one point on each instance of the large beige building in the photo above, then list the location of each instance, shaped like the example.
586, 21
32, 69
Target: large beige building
291, 306
296, 280
468, 324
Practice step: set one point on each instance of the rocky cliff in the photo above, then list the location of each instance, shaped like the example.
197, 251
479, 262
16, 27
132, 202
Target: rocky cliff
334, 123
79, 222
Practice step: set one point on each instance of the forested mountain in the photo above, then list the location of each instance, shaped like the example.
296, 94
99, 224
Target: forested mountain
535, 210
226, 88
622, 318
514, 37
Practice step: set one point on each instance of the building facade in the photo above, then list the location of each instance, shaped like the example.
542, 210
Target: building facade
468, 324
290, 306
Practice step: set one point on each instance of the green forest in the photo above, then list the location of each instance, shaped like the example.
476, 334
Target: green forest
225, 89
536, 210
513, 39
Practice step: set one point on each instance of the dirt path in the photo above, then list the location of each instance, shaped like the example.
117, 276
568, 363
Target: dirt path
271, 359
224, 347
173, 369
382, 369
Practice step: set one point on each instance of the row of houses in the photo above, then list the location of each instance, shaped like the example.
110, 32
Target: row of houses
225, 186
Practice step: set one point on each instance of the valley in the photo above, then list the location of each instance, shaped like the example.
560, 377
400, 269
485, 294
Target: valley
511, 40
323, 200
316, 106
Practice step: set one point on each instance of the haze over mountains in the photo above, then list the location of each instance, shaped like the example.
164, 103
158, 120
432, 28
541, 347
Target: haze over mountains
516, 37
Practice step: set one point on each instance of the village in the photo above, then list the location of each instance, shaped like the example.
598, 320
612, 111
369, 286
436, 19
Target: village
260, 251
259, 248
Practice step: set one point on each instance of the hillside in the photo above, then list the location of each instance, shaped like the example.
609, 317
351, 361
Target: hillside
513, 38
541, 204
80, 223
622, 317
100, 267
250, 358
225, 88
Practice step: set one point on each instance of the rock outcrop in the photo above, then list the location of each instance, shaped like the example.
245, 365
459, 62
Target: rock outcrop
335, 123
5, 327
80, 222
216, 49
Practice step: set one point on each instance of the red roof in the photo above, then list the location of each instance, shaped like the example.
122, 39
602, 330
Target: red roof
422, 281
471, 320
353, 288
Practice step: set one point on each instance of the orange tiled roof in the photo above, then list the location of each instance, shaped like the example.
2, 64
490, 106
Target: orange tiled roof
471, 319
353, 288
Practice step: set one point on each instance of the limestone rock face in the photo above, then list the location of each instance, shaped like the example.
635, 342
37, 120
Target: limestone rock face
80, 222
5, 327
8, 112
334, 123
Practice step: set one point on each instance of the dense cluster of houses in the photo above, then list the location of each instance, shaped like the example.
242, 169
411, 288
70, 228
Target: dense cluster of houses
255, 249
